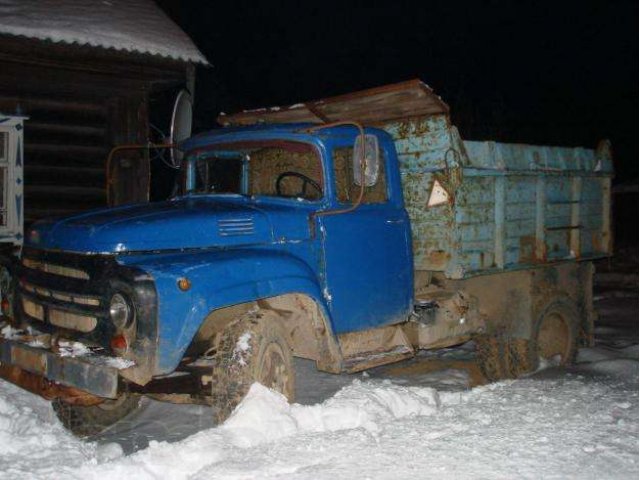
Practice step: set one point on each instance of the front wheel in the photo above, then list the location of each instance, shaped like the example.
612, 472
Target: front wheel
87, 421
255, 349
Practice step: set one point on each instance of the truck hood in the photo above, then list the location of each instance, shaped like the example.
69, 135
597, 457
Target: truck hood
184, 223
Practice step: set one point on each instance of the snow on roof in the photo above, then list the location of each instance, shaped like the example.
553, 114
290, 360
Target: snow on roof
132, 25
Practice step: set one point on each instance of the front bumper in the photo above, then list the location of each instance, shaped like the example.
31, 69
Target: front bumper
84, 373
52, 299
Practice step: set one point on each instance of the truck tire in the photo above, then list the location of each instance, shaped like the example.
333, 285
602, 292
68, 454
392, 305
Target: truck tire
490, 351
520, 357
254, 349
88, 421
555, 335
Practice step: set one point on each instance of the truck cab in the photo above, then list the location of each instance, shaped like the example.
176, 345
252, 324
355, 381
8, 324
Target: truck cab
303, 181
275, 214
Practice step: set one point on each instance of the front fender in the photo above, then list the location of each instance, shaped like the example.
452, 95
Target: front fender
218, 279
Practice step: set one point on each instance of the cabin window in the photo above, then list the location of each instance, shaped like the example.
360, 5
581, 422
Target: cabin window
218, 175
346, 189
290, 171
272, 168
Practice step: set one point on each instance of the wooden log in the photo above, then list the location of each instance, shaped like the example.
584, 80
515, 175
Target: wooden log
69, 154
42, 127
64, 191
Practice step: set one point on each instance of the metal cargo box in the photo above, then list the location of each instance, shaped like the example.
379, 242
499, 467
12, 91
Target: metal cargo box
481, 207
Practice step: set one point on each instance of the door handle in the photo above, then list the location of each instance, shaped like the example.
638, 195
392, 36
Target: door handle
394, 221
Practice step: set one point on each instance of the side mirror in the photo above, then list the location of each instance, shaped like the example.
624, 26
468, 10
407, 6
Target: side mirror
366, 145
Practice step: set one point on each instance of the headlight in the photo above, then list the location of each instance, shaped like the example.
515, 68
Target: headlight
120, 311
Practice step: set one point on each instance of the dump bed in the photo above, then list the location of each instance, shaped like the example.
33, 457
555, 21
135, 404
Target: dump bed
478, 207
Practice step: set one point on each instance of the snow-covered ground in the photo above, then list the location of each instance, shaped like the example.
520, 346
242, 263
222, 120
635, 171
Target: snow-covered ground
576, 423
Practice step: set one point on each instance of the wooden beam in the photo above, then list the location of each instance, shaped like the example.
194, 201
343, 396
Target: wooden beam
33, 102
62, 170
40, 81
63, 203
82, 150
66, 191
129, 181
64, 175
66, 129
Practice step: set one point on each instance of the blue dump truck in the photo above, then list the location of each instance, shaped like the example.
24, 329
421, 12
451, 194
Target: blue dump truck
353, 231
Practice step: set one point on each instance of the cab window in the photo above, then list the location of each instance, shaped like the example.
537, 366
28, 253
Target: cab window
347, 190
272, 168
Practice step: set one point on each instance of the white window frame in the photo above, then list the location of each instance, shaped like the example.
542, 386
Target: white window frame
12, 231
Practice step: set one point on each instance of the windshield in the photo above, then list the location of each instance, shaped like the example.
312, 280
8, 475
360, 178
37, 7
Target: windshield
275, 168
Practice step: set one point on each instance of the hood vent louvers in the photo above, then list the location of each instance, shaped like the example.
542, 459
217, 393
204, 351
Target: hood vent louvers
230, 227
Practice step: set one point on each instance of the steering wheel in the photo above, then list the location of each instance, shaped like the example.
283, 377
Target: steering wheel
305, 181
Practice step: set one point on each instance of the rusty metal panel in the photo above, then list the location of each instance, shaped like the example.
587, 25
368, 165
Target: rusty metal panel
371, 106
508, 206
31, 360
86, 373
422, 146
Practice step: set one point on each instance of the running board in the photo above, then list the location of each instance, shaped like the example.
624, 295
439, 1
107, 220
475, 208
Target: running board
375, 347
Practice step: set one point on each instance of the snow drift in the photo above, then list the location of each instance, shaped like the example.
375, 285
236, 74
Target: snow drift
570, 425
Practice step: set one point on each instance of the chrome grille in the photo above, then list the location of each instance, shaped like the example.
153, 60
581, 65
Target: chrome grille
62, 296
72, 321
59, 318
54, 269
33, 309
59, 290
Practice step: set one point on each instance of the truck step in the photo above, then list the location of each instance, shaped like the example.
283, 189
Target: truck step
374, 347
368, 360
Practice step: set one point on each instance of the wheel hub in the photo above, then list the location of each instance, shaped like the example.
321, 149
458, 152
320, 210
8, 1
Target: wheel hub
553, 337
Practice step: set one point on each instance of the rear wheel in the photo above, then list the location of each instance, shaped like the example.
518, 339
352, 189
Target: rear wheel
554, 339
556, 333
88, 421
255, 349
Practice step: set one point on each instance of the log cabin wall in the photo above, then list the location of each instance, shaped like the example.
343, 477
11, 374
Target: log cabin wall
81, 101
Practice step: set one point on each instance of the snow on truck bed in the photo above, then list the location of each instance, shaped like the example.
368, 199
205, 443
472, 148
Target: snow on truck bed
131, 25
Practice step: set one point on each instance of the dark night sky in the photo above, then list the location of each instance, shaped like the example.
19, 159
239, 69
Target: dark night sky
540, 72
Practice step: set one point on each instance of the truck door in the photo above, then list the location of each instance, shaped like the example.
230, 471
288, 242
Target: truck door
367, 266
